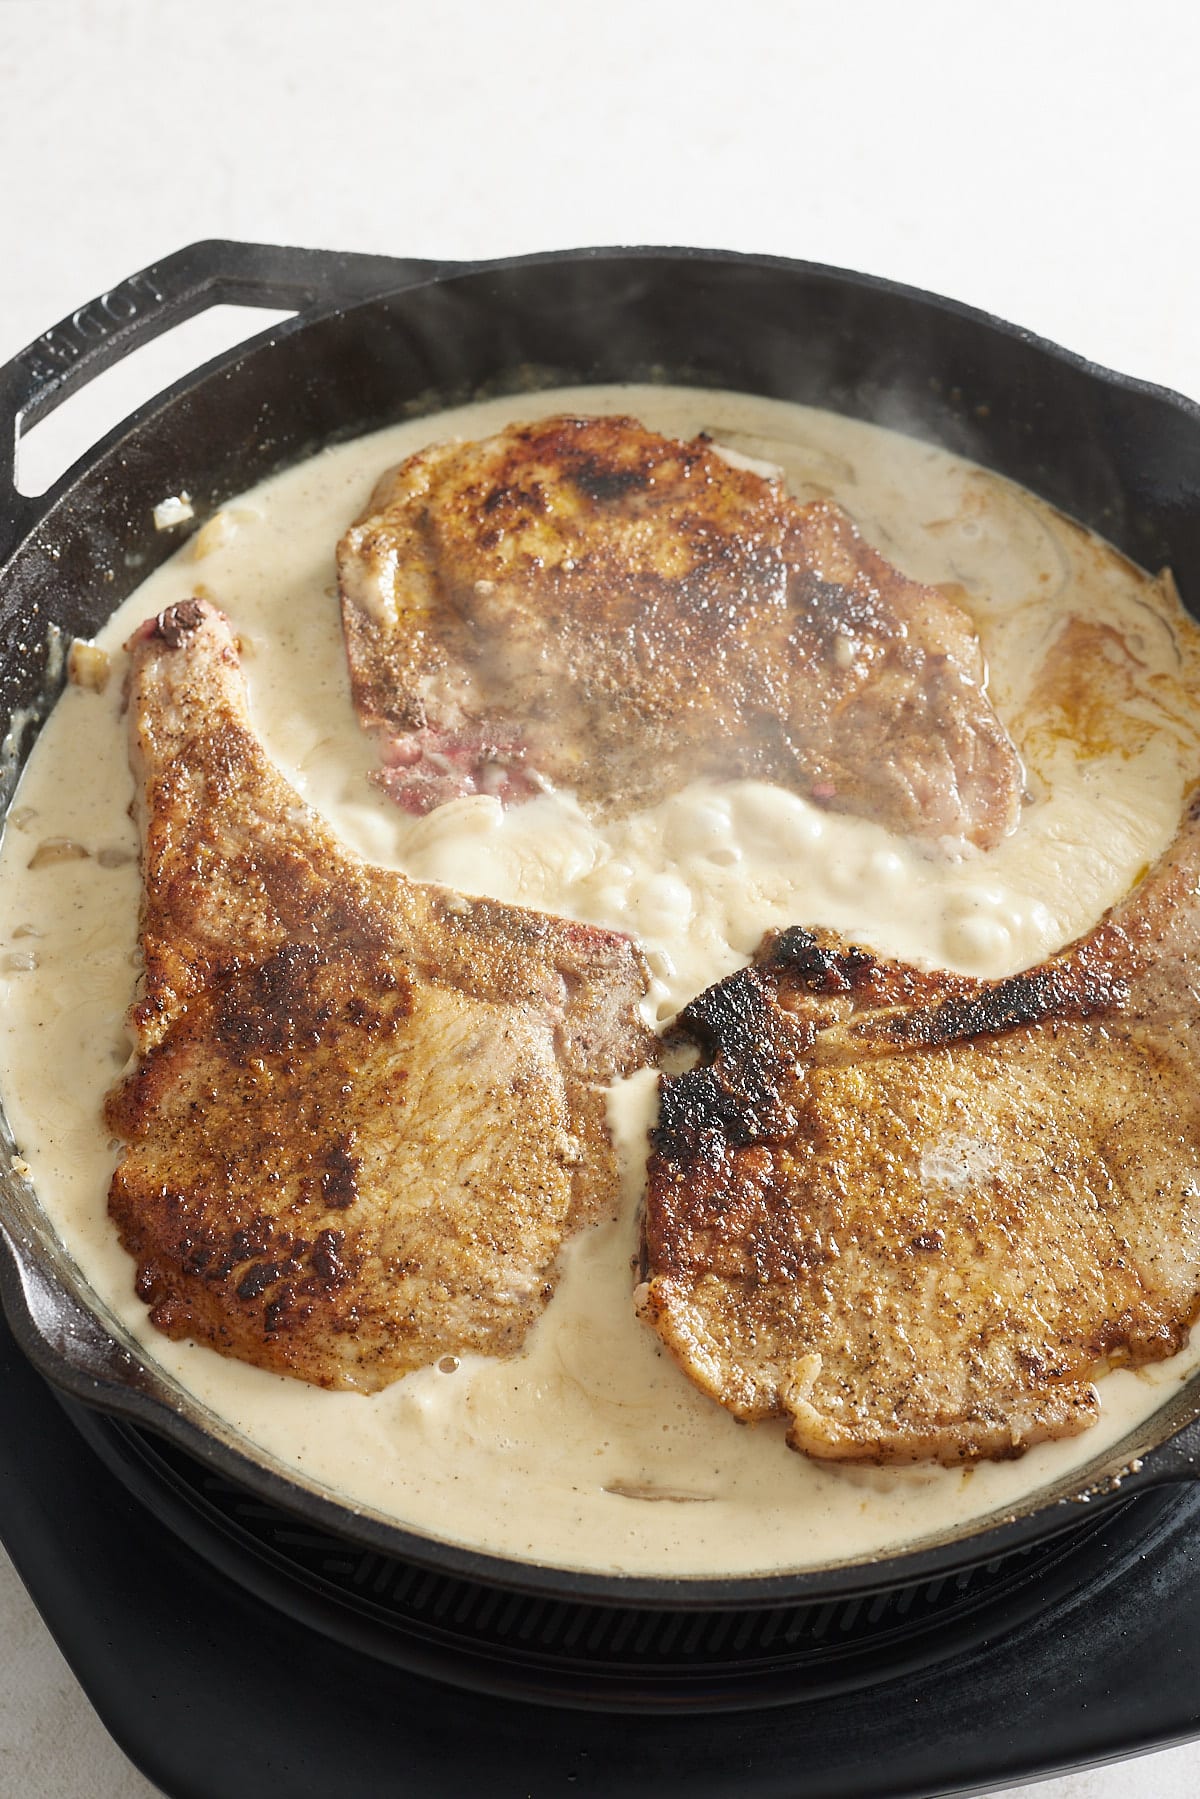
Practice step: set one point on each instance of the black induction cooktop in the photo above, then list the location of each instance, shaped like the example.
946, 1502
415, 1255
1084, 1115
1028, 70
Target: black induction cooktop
234, 1654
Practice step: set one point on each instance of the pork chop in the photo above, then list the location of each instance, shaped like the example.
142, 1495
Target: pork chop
366, 1112
584, 603
916, 1214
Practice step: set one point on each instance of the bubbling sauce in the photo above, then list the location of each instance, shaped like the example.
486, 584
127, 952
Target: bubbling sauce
590, 1449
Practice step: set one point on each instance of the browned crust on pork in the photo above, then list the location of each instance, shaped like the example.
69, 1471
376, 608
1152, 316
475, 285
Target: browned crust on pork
366, 1113
918, 1215
587, 602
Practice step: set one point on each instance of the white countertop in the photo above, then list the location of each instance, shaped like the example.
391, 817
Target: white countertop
1036, 161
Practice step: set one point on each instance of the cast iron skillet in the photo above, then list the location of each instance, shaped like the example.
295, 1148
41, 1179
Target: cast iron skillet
375, 340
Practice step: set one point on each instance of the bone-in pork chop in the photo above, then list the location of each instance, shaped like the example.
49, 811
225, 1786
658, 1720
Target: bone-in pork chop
584, 603
917, 1214
366, 1112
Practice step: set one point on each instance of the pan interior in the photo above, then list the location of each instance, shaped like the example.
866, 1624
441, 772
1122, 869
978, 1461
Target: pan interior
53, 587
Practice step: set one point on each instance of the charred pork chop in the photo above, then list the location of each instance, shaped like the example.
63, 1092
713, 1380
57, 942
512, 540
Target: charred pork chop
917, 1214
366, 1112
584, 603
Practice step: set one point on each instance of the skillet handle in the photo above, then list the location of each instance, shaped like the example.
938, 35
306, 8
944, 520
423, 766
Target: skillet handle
216, 272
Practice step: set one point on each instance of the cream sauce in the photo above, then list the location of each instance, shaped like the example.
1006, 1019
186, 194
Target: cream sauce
590, 1449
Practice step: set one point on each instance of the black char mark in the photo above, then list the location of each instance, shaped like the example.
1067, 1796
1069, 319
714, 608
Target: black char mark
1023, 1000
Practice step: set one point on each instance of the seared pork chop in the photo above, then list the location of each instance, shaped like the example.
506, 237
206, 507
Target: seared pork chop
366, 1112
584, 603
917, 1214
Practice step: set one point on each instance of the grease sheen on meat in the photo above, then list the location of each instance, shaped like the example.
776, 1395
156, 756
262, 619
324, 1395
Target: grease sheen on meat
366, 1112
586, 603
916, 1214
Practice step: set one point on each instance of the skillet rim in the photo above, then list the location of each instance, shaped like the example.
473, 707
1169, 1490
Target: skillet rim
59, 1334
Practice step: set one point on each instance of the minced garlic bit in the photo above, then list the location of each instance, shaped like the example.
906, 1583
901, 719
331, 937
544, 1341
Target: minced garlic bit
176, 509
220, 530
57, 849
20, 1166
88, 666
21, 817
